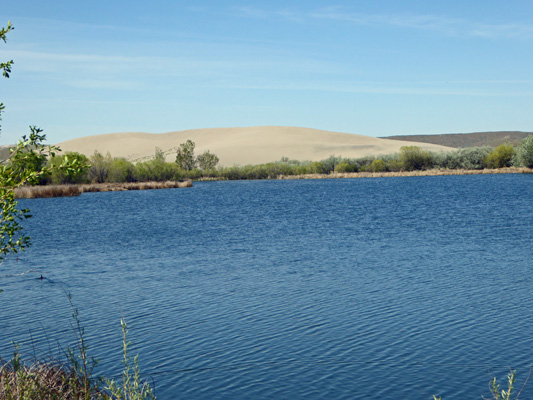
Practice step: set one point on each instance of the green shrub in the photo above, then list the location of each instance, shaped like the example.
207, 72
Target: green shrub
207, 161
64, 177
524, 153
378, 165
344, 166
500, 157
121, 170
100, 165
414, 158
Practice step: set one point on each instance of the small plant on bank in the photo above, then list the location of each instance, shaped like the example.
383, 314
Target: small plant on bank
131, 388
497, 392
80, 364
71, 380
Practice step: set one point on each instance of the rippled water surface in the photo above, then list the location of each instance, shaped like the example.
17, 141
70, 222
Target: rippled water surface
389, 288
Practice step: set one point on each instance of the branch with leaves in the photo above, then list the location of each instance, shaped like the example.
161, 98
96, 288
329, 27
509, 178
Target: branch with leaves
24, 166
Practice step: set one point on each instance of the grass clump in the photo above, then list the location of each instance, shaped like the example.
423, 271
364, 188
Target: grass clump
74, 379
50, 380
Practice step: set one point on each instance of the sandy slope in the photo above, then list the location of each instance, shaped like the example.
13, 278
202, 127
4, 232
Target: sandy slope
241, 146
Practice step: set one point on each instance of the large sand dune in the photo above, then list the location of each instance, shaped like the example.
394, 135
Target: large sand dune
242, 146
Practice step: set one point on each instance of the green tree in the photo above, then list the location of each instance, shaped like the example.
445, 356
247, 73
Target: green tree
344, 166
207, 161
100, 167
524, 153
500, 157
415, 158
59, 176
185, 156
378, 165
121, 170
12, 239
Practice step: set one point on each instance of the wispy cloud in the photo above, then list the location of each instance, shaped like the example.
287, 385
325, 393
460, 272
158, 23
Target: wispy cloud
97, 71
437, 23
479, 88
254, 12
408, 21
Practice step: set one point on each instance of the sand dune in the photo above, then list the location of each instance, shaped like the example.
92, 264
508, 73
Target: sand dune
242, 146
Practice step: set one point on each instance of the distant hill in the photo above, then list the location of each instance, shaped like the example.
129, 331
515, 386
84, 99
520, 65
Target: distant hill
462, 140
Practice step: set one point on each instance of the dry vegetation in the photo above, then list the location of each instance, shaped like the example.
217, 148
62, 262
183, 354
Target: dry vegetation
463, 140
44, 381
431, 172
32, 192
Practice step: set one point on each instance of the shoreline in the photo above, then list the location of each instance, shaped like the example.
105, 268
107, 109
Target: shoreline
430, 172
48, 191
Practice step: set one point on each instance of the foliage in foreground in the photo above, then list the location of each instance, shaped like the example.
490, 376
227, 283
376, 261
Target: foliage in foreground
131, 387
24, 166
73, 380
497, 392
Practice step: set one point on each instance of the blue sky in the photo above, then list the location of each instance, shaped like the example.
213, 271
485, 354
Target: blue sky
374, 68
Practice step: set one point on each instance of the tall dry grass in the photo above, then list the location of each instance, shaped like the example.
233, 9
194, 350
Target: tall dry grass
43, 380
431, 172
113, 187
32, 192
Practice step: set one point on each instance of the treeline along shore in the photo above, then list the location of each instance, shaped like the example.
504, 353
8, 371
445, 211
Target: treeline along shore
106, 173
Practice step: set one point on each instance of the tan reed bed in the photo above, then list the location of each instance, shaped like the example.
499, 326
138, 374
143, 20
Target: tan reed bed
32, 192
431, 172
114, 187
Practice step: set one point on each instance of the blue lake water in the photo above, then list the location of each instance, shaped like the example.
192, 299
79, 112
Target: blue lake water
389, 288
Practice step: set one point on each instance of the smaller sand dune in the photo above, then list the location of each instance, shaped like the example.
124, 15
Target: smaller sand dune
242, 146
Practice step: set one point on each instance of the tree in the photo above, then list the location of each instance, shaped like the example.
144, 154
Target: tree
12, 176
185, 156
207, 161
500, 157
100, 167
187, 161
344, 166
61, 177
524, 153
378, 165
24, 166
415, 158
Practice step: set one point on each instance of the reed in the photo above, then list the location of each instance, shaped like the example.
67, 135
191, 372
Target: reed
33, 192
42, 380
431, 172
73, 379
113, 187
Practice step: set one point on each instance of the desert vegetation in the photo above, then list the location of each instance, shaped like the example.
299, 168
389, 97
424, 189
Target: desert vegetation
120, 174
464, 140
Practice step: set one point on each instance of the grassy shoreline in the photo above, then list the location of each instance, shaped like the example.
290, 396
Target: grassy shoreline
429, 172
46, 191
390, 174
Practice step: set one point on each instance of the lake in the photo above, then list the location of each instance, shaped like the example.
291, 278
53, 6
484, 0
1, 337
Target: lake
388, 288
